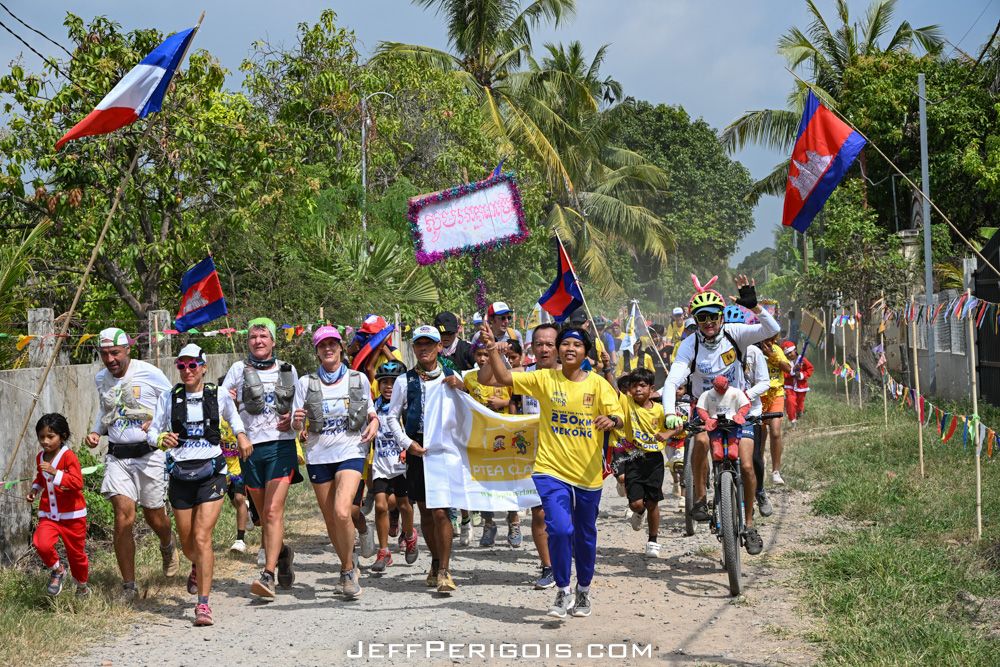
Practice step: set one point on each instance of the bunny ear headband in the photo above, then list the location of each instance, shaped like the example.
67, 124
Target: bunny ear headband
698, 286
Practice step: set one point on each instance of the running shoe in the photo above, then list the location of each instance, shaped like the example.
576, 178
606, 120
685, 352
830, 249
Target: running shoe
489, 535
776, 478
676, 491
546, 580
446, 584
562, 605
700, 512
369, 503
753, 541
681, 506
56, 581
264, 586
432, 578
368, 548
764, 505
129, 593
383, 560
477, 519
202, 615
286, 575
393, 523
464, 533
652, 550
261, 557
514, 535
239, 547
581, 606
171, 560
82, 590
455, 516
192, 583
352, 587
636, 520
410, 549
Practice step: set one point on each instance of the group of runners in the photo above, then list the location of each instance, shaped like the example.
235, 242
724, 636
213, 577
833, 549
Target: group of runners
357, 421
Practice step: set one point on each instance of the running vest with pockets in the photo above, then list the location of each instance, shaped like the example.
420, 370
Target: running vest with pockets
253, 390
209, 412
694, 359
413, 420
357, 404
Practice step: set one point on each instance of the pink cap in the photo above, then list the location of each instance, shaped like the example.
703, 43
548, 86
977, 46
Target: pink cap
324, 332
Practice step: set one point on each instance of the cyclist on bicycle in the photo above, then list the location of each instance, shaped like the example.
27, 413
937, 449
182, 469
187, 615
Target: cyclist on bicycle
716, 349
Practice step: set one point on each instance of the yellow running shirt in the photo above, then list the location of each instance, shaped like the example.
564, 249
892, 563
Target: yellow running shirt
482, 392
569, 447
643, 424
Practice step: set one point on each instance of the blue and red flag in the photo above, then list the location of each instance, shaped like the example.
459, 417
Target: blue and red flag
564, 296
373, 333
202, 299
823, 152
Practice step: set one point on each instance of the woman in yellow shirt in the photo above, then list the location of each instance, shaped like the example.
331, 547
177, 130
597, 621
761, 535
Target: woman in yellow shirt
773, 400
576, 410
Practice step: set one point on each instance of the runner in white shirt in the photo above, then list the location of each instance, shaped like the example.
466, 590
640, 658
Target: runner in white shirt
335, 406
134, 472
715, 349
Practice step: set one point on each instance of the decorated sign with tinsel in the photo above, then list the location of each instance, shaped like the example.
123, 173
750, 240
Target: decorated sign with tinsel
467, 219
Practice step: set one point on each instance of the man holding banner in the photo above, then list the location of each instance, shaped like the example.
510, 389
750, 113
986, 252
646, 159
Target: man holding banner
575, 407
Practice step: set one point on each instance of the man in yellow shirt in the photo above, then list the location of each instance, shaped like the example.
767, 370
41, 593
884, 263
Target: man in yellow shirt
576, 409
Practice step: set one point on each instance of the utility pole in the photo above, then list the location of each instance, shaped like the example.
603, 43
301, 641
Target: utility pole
925, 185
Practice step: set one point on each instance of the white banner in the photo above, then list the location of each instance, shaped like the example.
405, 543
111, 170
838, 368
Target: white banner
477, 459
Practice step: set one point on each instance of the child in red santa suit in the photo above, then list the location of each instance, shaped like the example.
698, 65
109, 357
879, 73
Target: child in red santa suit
62, 511
796, 382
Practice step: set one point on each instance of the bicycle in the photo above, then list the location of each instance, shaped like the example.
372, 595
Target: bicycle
727, 505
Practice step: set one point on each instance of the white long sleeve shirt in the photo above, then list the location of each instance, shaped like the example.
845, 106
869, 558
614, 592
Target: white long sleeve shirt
196, 448
758, 380
718, 360
397, 407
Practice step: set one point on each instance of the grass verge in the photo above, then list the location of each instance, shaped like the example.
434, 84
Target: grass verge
910, 585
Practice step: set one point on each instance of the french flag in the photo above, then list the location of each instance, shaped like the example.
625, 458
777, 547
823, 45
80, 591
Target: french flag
202, 299
138, 94
823, 152
565, 295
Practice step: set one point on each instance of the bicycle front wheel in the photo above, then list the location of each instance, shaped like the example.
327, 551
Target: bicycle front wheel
729, 520
688, 481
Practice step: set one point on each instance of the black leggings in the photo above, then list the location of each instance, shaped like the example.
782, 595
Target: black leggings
758, 456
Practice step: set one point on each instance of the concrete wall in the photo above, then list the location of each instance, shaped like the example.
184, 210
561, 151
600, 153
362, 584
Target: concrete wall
69, 390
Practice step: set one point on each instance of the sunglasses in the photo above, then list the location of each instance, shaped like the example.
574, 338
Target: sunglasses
708, 317
190, 366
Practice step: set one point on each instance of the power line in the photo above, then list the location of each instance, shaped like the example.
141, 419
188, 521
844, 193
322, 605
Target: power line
954, 47
972, 71
46, 37
49, 61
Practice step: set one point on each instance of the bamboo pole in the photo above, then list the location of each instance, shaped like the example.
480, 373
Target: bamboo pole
857, 352
83, 279
885, 387
156, 340
847, 380
975, 423
916, 388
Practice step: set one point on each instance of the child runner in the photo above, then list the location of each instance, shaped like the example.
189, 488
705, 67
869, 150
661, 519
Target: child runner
62, 510
389, 475
621, 443
645, 427
774, 400
577, 408
187, 423
497, 399
796, 382
235, 489
406, 411
335, 407
675, 445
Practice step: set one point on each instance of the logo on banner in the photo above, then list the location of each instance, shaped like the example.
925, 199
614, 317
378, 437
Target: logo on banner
500, 452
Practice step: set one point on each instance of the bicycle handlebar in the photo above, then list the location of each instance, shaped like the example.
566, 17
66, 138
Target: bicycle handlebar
697, 426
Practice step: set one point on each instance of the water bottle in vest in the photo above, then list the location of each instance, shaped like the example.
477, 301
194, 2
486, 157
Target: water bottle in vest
314, 405
253, 391
284, 391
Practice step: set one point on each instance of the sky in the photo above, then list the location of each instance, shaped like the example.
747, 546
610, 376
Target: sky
717, 59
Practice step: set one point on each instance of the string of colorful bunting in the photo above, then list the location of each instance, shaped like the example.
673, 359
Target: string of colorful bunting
960, 308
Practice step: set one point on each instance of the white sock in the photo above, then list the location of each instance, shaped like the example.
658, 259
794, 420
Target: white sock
582, 589
55, 568
564, 589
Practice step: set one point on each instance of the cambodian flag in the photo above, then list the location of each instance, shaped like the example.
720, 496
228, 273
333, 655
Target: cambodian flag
823, 152
564, 296
202, 299
138, 94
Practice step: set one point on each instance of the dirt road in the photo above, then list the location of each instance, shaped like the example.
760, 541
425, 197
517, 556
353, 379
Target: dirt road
674, 610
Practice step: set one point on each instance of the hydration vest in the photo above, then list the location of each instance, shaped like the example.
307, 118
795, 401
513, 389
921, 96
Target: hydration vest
413, 420
253, 390
358, 390
209, 413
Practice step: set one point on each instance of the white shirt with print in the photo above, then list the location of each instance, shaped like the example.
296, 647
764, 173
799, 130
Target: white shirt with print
146, 383
263, 427
335, 443
197, 448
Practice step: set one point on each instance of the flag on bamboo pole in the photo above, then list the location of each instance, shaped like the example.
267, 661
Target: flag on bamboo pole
202, 299
564, 295
138, 94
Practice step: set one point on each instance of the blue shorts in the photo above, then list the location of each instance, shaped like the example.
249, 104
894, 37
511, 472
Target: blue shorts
747, 431
320, 473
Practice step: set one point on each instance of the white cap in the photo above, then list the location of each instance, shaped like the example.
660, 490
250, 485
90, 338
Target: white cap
193, 351
678, 311
112, 337
689, 322
477, 318
426, 331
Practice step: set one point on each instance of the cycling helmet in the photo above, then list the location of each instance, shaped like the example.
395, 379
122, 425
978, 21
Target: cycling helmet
705, 297
733, 314
390, 369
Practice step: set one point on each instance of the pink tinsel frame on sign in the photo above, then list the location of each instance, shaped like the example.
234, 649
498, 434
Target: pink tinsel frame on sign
418, 203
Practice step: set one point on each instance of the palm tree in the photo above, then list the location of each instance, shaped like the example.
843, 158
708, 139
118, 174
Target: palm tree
15, 269
490, 40
827, 53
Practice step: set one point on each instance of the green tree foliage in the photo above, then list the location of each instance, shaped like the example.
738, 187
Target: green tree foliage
704, 206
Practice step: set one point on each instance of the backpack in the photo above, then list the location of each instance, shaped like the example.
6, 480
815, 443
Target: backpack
209, 413
358, 391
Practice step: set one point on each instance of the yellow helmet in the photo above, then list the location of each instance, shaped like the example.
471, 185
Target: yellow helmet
705, 297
